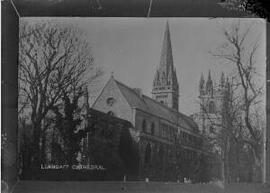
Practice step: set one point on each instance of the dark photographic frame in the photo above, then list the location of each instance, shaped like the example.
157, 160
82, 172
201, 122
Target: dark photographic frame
13, 10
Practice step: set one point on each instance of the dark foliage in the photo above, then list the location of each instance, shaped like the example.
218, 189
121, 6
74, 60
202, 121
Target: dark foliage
129, 153
260, 8
111, 145
67, 124
192, 165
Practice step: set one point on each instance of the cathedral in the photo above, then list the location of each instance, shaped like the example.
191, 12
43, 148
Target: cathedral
212, 96
156, 122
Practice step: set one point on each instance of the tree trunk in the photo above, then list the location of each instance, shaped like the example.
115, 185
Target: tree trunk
36, 149
225, 161
43, 148
70, 157
223, 178
257, 169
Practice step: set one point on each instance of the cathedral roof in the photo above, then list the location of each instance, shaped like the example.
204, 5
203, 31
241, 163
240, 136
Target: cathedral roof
151, 106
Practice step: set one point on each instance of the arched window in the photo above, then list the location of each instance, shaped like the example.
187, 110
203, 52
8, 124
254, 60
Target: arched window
211, 107
147, 157
144, 125
153, 129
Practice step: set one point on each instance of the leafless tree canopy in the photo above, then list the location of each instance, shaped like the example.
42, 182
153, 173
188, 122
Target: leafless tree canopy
240, 121
53, 61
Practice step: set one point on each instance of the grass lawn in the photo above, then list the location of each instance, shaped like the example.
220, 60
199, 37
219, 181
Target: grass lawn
134, 187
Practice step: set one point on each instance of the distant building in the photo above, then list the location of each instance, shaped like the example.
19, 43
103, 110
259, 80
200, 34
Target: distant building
157, 121
212, 96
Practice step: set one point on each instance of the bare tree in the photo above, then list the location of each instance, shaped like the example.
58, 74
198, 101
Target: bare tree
54, 57
221, 127
240, 52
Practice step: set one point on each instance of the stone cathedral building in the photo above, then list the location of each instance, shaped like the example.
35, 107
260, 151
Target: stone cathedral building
156, 121
211, 96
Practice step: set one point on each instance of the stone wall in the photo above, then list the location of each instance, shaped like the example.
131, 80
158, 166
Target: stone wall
119, 106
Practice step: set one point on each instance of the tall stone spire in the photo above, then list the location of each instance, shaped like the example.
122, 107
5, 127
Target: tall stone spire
201, 85
165, 84
166, 58
209, 84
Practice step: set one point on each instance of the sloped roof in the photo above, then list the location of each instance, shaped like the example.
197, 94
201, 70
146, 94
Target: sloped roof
153, 107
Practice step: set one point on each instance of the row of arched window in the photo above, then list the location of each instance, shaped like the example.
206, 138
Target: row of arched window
190, 140
187, 154
165, 131
148, 153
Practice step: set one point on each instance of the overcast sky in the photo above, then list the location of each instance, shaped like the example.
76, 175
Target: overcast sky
130, 48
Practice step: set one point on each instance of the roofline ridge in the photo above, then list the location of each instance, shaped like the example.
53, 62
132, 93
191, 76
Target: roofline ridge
126, 86
132, 91
143, 95
158, 103
99, 94
173, 110
163, 105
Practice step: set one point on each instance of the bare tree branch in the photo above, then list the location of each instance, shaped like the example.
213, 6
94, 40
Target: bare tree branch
53, 58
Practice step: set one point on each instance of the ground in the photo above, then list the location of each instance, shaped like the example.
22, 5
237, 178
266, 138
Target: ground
134, 187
